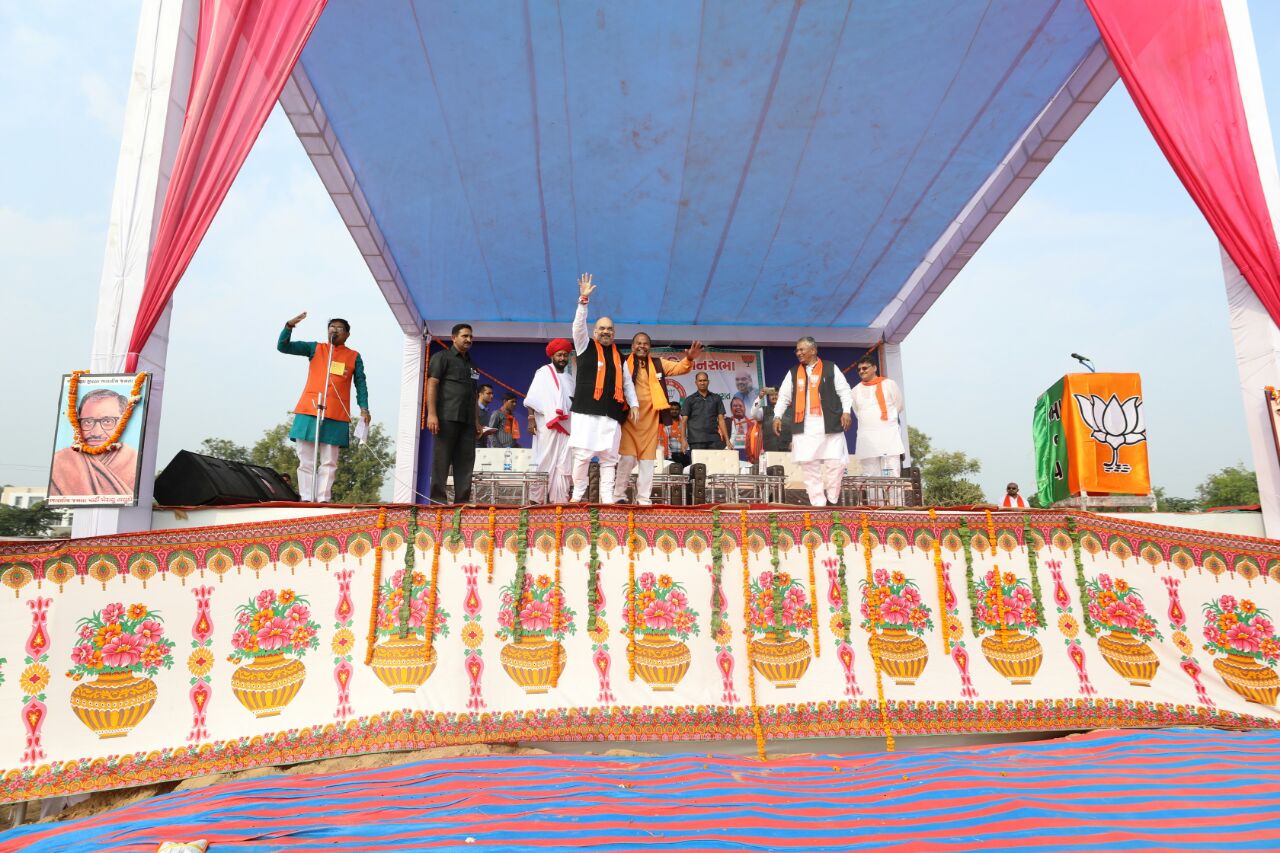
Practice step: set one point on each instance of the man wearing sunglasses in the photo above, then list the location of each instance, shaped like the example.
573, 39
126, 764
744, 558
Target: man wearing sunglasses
113, 472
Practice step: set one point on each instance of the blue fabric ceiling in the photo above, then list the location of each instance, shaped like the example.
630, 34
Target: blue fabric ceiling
724, 162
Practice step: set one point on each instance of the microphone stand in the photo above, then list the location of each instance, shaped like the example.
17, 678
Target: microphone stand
321, 399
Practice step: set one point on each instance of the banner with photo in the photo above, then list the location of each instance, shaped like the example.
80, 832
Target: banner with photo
141, 658
97, 447
736, 375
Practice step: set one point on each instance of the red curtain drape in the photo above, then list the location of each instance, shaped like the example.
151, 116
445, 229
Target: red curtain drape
245, 50
1175, 59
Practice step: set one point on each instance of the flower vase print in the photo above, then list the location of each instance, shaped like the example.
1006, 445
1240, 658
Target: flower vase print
897, 618
404, 663
782, 613
536, 626
1114, 424
664, 621
1117, 607
273, 631
1007, 608
123, 647
1245, 634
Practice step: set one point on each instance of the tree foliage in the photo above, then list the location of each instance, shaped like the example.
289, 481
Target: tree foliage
1234, 485
36, 520
361, 468
1168, 503
944, 474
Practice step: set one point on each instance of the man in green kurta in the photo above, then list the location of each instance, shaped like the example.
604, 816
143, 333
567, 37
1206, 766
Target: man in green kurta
334, 387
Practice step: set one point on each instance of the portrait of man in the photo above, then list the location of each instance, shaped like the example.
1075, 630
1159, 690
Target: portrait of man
103, 468
746, 392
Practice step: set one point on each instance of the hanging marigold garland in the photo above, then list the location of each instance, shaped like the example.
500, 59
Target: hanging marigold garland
522, 553
884, 710
593, 570
435, 577
557, 600
372, 639
113, 440
941, 577
813, 587
410, 556
756, 725
631, 595
493, 536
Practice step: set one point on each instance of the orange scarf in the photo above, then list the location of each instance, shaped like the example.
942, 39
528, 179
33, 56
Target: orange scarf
513, 427
617, 374
657, 394
812, 391
878, 383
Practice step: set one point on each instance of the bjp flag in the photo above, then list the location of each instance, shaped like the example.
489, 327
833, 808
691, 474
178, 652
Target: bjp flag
1091, 437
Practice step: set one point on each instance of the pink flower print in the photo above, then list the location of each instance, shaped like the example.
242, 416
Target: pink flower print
149, 631
1227, 603
1095, 613
240, 639
417, 613
1105, 582
122, 650
112, 612
299, 614
266, 598
1022, 597
244, 617
504, 617
991, 578
536, 616
881, 577
1121, 615
659, 615
1263, 625
677, 599
766, 580
789, 611
87, 632
397, 579
275, 634
895, 610
82, 654
647, 581
912, 595
1244, 637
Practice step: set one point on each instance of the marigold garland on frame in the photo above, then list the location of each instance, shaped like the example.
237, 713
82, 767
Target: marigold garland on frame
113, 440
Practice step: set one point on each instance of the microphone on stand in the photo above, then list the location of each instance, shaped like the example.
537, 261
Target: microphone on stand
1085, 361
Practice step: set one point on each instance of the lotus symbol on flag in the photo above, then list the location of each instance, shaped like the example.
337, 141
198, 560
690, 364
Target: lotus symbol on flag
1114, 424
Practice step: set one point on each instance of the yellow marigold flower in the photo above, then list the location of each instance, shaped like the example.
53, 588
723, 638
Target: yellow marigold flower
837, 624
343, 641
542, 581
137, 611
1183, 642
601, 633
664, 581
1247, 606
1069, 627
898, 578
955, 628
1226, 620
1009, 579
472, 635
35, 679
287, 596
199, 662
725, 634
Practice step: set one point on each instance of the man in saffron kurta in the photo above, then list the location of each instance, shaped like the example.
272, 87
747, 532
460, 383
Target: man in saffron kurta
548, 401
877, 402
345, 369
640, 436
602, 397
819, 418
113, 472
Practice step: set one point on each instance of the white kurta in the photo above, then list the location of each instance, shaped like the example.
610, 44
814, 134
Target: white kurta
597, 433
878, 437
549, 393
814, 442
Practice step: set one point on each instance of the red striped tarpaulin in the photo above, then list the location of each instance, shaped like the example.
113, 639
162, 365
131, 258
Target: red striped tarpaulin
1110, 790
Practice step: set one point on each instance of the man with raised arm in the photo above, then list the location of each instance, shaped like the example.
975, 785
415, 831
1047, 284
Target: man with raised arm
548, 401
819, 418
602, 397
640, 435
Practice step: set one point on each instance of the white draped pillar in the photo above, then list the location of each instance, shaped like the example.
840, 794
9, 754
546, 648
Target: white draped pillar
409, 421
162, 62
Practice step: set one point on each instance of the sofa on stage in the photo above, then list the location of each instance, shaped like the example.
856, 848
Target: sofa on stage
160, 655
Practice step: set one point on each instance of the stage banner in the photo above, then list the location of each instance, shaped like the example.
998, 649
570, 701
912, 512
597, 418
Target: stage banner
736, 375
1090, 437
146, 657
97, 447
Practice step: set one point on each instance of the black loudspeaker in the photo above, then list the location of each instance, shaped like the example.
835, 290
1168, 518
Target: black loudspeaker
194, 480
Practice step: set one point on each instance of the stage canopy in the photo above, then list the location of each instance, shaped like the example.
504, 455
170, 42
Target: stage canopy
824, 166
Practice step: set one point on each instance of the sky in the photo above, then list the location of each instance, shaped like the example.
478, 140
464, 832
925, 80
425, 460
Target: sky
1105, 255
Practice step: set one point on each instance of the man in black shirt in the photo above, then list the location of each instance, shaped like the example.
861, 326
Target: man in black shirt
452, 417
702, 418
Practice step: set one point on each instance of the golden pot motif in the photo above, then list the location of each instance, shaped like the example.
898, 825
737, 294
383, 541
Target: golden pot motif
782, 658
113, 703
534, 663
1252, 679
660, 660
266, 684
1130, 657
1015, 656
403, 663
900, 654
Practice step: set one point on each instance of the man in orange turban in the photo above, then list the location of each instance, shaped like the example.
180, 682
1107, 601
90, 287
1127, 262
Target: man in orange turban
547, 402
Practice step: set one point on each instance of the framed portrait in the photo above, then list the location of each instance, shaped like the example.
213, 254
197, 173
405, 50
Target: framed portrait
97, 446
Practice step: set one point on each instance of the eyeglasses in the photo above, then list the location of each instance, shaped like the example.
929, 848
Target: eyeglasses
106, 423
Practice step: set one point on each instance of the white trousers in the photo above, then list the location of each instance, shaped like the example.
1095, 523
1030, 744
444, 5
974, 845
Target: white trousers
644, 481
306, 473
881, 466
582, 468
822, 479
